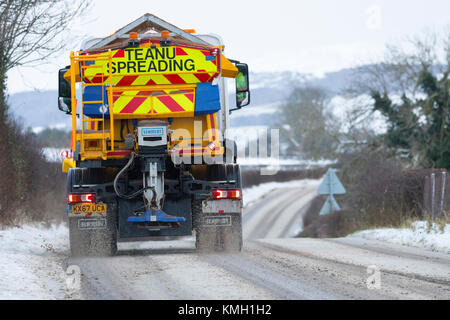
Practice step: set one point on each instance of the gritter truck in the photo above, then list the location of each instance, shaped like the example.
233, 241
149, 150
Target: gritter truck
149, 157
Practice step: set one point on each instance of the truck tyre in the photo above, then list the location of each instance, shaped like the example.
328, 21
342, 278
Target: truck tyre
216, 239
99, 242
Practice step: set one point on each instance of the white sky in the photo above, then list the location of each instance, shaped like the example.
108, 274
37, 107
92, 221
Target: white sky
313, 36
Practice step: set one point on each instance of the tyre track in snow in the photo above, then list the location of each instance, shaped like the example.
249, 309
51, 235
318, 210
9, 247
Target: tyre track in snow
280, 215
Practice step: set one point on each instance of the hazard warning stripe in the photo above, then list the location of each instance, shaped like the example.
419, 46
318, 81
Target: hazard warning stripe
174, 79
180, 52
170, 103
188, 78
133, 105
126, 81
190, 96
203, 77
119, 54
154, 102
116, 95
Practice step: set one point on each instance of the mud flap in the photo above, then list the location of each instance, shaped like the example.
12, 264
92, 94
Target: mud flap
220, 226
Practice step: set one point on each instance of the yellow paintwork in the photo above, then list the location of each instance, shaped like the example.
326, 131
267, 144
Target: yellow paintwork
99, 138
229, 70
67, 164
152, 63
67, 75
152, 106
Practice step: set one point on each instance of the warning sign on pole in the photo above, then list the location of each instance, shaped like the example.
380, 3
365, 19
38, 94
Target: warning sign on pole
330, 186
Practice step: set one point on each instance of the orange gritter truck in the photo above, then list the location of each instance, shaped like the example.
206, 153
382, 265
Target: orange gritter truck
148, 159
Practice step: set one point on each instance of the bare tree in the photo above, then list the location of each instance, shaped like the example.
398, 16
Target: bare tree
31, 30
409, 90
308, 125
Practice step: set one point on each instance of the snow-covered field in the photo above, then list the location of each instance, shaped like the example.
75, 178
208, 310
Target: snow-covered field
53, 154
419, 235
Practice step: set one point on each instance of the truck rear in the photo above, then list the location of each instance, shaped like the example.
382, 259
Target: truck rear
148, 159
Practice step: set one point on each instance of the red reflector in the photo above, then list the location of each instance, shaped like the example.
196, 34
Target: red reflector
81, 198
226, 194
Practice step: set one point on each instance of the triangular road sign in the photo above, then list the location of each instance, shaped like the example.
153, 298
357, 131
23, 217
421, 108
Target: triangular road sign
330, 206
331, 184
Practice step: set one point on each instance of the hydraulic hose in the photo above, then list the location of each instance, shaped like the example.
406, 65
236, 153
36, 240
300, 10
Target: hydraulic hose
116, 179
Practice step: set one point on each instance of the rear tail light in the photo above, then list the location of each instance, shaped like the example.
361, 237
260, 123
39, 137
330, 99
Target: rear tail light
226, 194
81, 198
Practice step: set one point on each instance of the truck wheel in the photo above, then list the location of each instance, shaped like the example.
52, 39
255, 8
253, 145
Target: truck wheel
218, 239
101, 242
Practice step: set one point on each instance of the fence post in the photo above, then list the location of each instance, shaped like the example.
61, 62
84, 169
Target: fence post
433, 193
444, 176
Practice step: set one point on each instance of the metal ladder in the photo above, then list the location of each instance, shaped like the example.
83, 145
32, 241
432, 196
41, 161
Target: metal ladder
86, 135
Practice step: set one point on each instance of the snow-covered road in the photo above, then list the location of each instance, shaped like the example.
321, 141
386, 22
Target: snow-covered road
271, 265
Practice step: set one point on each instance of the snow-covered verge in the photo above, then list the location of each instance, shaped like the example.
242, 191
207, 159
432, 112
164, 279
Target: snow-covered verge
420, 235
282, 162
254, 193
53, 154
31, 262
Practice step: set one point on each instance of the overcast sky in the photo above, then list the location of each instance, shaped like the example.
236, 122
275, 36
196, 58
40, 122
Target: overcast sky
313, 36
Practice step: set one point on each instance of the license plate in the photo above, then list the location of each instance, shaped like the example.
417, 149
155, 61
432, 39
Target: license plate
222, 206
221, 221
87, 208
90, 224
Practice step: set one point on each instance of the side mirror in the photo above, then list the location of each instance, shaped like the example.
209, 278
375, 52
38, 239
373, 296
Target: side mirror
242, 86
64, 92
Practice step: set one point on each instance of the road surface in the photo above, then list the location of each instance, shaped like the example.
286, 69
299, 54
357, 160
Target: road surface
271, 266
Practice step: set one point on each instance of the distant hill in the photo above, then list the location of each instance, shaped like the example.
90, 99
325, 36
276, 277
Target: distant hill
38, 109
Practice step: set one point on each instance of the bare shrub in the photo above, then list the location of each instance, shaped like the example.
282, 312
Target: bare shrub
31, 188
379, 194
334, 225
312, 213
380, 191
